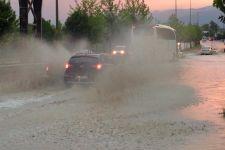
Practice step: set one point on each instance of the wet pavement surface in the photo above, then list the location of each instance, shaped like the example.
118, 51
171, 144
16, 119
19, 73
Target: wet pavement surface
206, 74
155, 118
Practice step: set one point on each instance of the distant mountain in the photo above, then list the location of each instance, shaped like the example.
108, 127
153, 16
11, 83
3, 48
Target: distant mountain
206, 14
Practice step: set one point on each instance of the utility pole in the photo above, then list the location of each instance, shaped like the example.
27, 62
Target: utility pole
37, 14
23, 16
176, 8
198, 18
57, 14
190, 11
35, 7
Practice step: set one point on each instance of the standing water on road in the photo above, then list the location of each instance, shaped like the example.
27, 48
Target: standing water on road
134, 105
206, 74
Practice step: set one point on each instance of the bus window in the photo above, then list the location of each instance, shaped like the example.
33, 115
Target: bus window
165, 34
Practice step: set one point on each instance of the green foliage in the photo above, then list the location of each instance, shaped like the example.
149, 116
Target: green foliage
175, 23
59, 32
220, 4
97, 25
48, 31
185, 33
105, 19
191, 33
8, 22
111, 9
85, 21
77, 24
136, 12
194, 33
205, 27
212, 28
90, 7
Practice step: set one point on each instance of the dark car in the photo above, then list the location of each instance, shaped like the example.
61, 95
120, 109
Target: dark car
119, 54
84, 68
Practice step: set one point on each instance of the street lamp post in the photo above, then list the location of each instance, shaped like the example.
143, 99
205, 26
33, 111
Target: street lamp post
176, 8
57, 14
190, 12
23, 16
35, 7
198, 18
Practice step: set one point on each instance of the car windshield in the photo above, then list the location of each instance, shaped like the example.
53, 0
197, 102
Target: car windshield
120, 47
84, 59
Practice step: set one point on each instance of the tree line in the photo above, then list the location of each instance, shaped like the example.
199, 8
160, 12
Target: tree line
106, 21
185, 33
95, 20
102, 21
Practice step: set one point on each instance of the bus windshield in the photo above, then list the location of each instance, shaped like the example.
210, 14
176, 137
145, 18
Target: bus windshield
166, 34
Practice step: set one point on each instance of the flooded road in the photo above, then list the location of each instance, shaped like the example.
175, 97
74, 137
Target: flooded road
164, 114
206, 74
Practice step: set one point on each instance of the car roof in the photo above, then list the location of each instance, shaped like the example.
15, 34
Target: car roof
86, 55
123, 46
206, 46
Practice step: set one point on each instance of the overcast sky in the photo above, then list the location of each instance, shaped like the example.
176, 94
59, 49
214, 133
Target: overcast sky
64, 6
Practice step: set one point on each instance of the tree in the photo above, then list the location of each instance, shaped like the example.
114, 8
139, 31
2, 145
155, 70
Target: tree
197, 33
220, 4
8, 22
107, 20
213, 27
205, 27
59, 32
77, 24
111, 10
185, 33
48, 30
86, 21
191, 33
136, 12
175, 23
90, 7
97, 26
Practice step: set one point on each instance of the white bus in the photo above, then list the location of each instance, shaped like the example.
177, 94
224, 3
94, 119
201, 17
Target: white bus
158, 42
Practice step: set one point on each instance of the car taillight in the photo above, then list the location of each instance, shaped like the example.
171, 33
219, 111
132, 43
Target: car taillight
99, 66
67, 65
